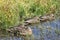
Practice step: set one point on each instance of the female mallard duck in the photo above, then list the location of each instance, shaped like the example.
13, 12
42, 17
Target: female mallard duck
20, 30
47, 17
32, 21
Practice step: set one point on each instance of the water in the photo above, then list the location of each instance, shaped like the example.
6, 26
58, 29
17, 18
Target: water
43, 31
47, 31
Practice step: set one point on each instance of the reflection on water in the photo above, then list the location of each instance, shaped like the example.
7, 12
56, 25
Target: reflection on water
42, 31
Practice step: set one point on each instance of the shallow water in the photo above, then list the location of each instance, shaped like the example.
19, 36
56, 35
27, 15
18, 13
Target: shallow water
44, 31
47, 31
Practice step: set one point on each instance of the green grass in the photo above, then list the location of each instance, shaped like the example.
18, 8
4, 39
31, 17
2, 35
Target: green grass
13, 11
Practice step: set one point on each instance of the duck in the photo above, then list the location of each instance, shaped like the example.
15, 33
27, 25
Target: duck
48, 17
26, 32
20, 30
43, 18
32, 21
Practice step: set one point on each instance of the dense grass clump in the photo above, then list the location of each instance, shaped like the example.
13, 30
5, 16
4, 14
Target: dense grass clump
8, 14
